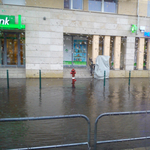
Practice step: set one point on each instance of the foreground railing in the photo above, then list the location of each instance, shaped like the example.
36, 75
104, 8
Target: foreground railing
48, 118
117, 140
88, 132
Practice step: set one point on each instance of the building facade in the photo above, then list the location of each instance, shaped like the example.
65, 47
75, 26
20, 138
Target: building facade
54, 36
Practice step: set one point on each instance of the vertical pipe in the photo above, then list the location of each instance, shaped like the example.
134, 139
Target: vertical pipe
40, 79
7, 79
104, 77
138, 18
129, 77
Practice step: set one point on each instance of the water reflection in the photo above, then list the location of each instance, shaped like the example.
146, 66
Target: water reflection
57, 97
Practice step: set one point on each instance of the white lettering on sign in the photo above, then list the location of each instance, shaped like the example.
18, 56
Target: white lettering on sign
5, 22
1, 21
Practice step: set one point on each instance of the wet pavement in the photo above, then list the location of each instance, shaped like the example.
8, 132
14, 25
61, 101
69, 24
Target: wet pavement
57, 97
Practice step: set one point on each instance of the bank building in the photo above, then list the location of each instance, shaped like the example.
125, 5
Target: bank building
55, 36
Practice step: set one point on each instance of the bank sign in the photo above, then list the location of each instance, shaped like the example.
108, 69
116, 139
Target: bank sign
8, 22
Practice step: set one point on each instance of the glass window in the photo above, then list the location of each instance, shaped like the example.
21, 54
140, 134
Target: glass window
75, 51
135, 52
73, 4
14, 2
148, 10
110, 6
95, 5
1, 49
77, 4
67, 4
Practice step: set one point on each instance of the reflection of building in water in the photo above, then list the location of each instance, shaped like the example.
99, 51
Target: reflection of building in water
13, 105
52, 36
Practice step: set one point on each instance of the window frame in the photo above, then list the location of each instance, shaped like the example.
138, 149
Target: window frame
102, 8
5, 2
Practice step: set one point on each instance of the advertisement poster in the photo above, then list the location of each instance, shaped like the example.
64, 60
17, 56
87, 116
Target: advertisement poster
79, 52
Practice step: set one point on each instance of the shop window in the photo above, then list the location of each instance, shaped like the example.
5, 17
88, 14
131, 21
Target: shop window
95, 5
14, 2
101, 45
75, 51
103, 5
145, 54
122, 52
135, 52
12, 49
111, 60
73, 4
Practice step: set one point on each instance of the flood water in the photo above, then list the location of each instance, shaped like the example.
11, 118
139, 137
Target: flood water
57, 97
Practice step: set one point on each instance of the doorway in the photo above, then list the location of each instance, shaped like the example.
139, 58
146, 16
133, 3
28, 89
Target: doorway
12, 49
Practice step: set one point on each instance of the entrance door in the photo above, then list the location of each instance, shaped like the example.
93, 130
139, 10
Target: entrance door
13, 49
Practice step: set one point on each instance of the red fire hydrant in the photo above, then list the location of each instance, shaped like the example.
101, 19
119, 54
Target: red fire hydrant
73, 72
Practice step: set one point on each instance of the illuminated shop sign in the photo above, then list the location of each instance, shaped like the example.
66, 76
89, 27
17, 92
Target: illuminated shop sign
147, 34
133, 28
8, 22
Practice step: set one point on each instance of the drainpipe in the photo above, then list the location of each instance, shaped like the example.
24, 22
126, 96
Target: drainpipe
137, 18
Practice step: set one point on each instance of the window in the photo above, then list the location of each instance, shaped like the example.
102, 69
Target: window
103, 5
95, 5
75, 51
14, 2
73, 4
148, 10
110, 6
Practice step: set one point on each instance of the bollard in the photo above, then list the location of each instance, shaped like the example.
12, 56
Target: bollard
129, 77
104, 77
7, 79
40, 79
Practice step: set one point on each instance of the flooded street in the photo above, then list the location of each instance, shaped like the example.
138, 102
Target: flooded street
57, 97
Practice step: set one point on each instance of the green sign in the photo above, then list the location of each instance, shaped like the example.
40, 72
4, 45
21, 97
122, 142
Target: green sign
8, 22
133, 28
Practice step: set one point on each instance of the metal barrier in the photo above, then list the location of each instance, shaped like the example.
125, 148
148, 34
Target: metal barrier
53, 117
117, 140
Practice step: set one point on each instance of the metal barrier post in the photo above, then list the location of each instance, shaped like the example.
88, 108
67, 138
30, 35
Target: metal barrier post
7, 79
53, 117
129, 77
117, 140
104, 77
40, 79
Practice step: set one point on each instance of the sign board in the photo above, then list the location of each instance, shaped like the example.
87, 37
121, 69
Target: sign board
8, 22
147, 34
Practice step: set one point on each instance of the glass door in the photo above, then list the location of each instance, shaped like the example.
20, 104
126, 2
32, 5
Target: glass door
12, 51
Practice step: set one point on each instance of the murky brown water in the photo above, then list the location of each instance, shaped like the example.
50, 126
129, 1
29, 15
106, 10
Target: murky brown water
23, 99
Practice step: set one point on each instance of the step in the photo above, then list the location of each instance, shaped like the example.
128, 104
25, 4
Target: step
80, 73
